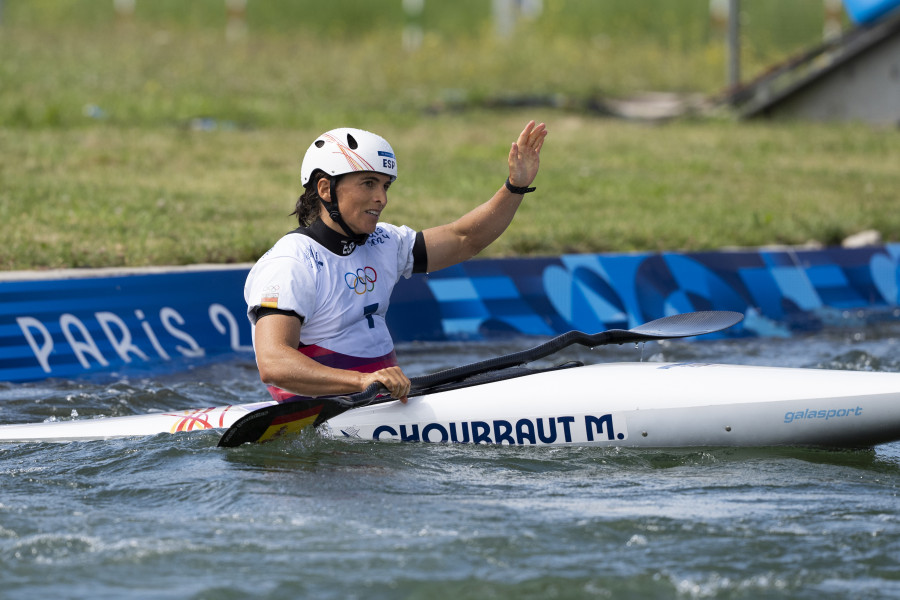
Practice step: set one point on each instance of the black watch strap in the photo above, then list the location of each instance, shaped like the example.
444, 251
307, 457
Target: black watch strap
518, 190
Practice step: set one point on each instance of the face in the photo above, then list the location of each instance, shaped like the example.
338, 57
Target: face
361, 198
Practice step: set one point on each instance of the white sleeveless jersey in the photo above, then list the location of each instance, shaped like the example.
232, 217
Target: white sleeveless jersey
342, 300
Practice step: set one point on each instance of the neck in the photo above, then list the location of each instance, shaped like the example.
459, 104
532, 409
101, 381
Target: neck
333, 239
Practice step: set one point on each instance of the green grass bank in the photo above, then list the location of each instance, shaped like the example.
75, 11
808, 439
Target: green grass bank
151, 139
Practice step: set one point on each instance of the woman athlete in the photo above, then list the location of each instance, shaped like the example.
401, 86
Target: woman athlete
317, 300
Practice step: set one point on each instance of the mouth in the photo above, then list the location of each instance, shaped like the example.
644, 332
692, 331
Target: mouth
374, 213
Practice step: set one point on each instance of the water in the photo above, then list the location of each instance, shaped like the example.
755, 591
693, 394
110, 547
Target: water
176, 517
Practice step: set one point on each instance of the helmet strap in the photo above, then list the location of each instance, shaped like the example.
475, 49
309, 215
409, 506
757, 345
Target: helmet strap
334, 212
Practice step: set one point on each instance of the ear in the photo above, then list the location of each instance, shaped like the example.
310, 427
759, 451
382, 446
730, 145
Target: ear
323, 186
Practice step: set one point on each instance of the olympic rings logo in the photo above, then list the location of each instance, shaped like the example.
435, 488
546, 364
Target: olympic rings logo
362, 281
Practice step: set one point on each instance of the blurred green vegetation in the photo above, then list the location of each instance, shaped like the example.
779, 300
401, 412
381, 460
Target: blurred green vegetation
672, 22
305, 62
153, 139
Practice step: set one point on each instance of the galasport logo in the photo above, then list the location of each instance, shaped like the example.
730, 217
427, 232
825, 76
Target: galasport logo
362, 281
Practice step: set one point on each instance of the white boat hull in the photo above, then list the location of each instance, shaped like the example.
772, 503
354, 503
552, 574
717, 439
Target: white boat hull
649, 405
199, 419
620, 404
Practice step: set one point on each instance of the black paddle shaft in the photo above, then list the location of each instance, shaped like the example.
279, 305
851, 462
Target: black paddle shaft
675, 326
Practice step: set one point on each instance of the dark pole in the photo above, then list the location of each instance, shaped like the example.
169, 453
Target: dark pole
734, 43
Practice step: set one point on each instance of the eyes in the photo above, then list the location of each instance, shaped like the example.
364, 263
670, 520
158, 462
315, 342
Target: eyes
372, 183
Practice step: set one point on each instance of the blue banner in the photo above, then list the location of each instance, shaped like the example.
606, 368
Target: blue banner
75, 326
116, 323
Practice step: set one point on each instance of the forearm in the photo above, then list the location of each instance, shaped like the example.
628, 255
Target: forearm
292, 371
473, 232
480, 227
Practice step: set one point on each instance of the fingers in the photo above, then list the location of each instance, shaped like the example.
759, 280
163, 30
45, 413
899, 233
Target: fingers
395, 381
542, 135
530, 141
533, 136
523, 137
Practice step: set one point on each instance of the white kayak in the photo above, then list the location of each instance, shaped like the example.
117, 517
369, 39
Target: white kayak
619, 404
649, 405
107, 428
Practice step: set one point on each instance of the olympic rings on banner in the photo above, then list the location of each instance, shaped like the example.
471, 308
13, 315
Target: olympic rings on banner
362, 281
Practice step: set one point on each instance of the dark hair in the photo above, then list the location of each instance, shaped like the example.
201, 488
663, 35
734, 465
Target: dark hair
307, 209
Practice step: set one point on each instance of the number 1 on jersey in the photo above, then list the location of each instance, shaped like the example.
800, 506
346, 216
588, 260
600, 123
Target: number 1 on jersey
368, 311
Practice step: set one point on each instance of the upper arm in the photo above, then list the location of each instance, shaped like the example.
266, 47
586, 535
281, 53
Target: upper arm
445, 247
468, 235
276, 332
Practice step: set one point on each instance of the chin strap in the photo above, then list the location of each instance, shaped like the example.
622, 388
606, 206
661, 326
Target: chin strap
334, 212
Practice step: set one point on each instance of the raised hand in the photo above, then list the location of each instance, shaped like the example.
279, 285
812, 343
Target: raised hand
525, 155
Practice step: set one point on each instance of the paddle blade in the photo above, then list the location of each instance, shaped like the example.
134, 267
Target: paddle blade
689, 324
272, 422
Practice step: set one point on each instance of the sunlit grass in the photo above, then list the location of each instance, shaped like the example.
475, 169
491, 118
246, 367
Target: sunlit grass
156, 142
118, 196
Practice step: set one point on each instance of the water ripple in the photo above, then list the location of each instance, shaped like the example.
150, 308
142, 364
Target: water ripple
176, 517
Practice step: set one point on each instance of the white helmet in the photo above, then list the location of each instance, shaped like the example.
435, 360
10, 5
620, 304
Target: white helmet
346, 150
